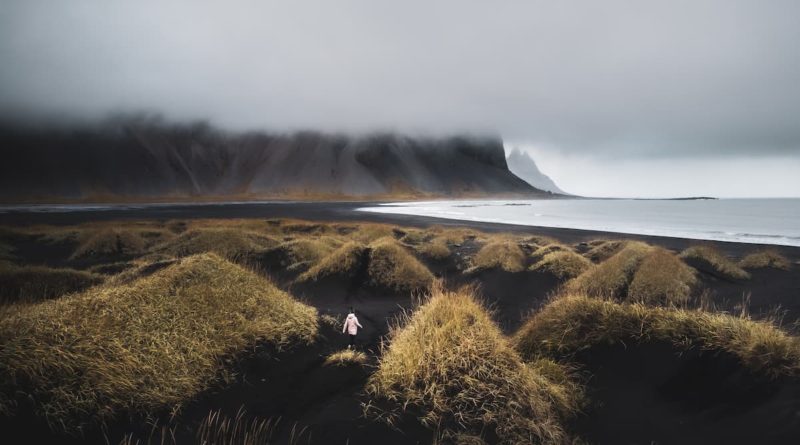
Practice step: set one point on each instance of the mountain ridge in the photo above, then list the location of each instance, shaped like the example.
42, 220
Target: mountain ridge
522, 164
151, 160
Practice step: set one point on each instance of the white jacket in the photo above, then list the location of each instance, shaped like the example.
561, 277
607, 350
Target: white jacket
351, 325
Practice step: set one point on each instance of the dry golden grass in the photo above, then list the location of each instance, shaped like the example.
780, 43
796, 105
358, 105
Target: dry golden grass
611, 277
545, 249
453, 235
217, 428
450, 364
662, 278
415, 237
346, 357
231, 243
146, 345
391, 266
602, 250
109, 242
27, 284
539, 241
564, 264
435, 249
367, 233
502, 254
764, 259
711, 259
575, 322
344, 261
305, 252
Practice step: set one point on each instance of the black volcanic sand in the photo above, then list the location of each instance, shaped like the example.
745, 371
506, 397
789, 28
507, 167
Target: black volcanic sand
640, 394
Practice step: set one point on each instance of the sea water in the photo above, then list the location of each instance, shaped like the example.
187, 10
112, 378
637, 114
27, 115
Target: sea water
763, 221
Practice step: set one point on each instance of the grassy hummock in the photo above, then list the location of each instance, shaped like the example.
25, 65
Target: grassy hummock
709, 259
576, 322
611, 278
662, 278
391, 266
450, 365
765, 259
24, 283
564, 264
149, 344
502, 254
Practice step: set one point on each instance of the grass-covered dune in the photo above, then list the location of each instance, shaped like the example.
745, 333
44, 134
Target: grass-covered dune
146, 345
449, 364
576, 322
36, 283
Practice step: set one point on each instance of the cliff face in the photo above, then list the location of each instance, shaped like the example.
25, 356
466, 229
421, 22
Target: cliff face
138, 159
522, 165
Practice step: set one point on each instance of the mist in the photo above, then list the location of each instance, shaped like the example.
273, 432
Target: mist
613, 98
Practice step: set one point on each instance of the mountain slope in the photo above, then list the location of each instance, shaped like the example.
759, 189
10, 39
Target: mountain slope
142, 159
521, 164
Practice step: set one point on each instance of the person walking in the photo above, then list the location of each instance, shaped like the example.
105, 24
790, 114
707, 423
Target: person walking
351, 326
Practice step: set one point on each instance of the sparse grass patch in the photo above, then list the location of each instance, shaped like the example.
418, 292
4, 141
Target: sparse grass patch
450, 364
345, 261
709, 259
765, 259
142, 346
390, 265
230, 243
610, 278
27, 284
662, 278
499, 254
575, 322
346, 357
564, 264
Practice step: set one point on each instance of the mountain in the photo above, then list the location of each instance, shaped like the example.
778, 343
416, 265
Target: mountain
150, 159
521, 164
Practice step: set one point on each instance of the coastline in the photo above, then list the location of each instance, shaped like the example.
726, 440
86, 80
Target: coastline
331, 211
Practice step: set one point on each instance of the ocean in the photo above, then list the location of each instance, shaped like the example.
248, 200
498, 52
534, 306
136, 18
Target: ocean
761, 221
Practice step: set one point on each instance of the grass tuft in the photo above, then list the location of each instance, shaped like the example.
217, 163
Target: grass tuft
346, 357
502, 254
391, 266
450, 365
610, 278
765, 259
347, 260
564, 264
435, 249
27, 284
662, 278
710, 260
576, 322
230, 243
602, 250
142, 346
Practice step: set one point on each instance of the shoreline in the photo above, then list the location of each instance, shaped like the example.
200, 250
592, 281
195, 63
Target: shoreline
345, 211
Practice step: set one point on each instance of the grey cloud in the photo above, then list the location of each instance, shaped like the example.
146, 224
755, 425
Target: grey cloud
611, 79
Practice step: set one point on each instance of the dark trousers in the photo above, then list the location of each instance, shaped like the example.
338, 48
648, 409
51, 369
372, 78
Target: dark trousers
352, 340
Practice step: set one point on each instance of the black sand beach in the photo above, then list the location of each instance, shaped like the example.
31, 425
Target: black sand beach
342, 212
642, 394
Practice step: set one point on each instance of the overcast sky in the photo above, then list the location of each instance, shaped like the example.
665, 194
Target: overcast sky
636, 98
